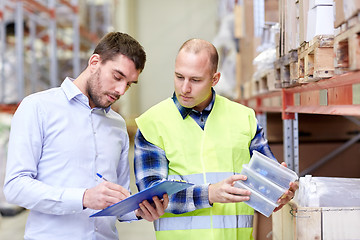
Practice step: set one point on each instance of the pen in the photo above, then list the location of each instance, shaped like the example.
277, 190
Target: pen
101, 176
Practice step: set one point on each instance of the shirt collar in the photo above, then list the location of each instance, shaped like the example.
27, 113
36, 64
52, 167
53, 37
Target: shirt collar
72, 91
184, 111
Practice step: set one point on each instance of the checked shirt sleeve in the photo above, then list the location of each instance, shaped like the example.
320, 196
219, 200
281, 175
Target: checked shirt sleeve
151, 166
260, 143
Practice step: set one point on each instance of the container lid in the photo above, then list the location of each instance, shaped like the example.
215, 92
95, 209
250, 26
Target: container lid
292, 176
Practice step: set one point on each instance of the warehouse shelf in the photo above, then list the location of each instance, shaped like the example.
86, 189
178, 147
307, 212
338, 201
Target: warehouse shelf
339, 95
265, 102
58, 40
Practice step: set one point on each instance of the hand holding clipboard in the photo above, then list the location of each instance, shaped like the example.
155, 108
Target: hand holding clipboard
132, 203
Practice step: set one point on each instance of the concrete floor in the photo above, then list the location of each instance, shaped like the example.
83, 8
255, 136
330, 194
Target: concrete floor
12, 228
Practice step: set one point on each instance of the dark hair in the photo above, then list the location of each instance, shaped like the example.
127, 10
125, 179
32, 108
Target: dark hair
196, 45
115, 43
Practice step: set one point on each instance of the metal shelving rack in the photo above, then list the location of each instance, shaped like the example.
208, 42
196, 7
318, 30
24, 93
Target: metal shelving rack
339, 95
56, 42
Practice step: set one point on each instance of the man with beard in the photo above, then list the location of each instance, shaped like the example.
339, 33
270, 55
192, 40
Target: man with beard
62, 137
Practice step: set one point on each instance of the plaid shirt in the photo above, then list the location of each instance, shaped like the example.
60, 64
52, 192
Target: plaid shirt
151, 164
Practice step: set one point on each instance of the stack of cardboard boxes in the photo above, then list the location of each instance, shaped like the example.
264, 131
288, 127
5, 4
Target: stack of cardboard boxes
248, 43
316, 39
347, 30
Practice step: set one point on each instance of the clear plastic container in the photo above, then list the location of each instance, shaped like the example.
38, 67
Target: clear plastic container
272, 170
262, 185
257, 201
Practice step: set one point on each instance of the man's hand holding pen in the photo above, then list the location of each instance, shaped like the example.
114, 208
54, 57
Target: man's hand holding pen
107, 193
104, 195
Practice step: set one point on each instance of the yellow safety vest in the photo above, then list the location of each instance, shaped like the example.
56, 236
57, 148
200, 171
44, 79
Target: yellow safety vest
203, 156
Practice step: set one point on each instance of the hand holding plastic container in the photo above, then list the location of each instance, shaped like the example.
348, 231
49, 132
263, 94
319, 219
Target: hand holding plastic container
267, 180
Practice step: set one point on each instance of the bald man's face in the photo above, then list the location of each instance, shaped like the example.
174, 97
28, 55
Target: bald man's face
193, 79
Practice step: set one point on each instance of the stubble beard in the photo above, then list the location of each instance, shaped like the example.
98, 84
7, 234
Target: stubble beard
95, 91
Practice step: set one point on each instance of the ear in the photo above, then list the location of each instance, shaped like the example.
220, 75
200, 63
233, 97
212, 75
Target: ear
216, 78
94, 61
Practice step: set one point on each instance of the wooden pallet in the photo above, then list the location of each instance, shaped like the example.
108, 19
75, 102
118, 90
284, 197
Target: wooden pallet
347, 46
287, 69
246, 90
265, 82
316, 59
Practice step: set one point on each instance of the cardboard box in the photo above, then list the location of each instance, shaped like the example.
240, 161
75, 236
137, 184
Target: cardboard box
271, 11
303, 19
291, 26
344, 10
239, 21
339, 16
320, 22
351, 8
315, 3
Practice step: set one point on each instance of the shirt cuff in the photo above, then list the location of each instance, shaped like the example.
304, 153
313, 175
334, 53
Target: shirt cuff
201, 196
72, 201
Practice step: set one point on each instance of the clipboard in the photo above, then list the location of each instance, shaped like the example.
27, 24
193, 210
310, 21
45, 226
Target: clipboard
132, 203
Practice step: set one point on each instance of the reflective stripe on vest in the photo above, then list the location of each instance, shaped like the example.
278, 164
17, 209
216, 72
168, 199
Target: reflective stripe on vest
198, 178
204, 222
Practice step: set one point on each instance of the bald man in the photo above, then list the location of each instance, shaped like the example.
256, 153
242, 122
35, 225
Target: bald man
203, 138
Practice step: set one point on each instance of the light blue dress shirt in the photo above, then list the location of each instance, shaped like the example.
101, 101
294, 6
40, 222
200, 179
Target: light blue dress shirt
57, 145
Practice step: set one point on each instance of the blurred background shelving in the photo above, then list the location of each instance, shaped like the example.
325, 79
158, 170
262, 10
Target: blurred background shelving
303, 82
